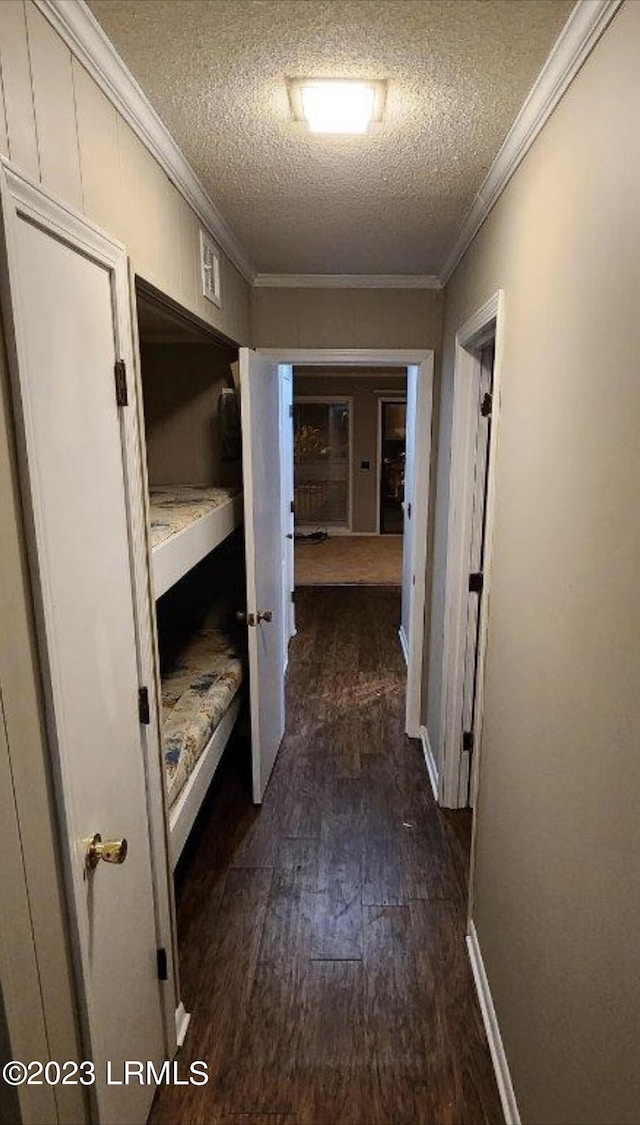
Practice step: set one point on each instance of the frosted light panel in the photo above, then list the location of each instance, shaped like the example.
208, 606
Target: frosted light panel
338, 107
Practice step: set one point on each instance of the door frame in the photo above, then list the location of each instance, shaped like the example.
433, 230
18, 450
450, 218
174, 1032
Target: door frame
22, 195
335, 529
487, 323
423, 359
381, 401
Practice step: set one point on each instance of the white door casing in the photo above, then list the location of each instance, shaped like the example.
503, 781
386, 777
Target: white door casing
65, 305
286, 506
423, 361
262, 478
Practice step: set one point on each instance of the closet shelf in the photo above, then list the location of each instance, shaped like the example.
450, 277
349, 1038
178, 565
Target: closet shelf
187, 522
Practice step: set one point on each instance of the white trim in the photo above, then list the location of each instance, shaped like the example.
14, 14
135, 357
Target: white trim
430, 763
345, 357
404, 644
77, 26
469, 338
492, 1029
183, 1019
175, 556
577, 39
79, 29
346, 281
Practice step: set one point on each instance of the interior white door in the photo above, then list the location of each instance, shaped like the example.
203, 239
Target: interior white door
62, 303
261, 463
408, 507
288, 523
476, 566
419, 412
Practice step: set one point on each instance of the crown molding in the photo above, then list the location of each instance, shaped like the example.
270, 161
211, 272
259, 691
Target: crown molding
577, 39
346, 281
77, 26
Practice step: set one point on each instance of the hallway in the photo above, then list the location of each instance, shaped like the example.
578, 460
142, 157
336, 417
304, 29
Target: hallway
322, 938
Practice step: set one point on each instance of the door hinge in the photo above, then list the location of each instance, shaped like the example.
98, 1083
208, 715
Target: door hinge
486, 406
163, 967
476, 582
409, 510
144, 714
292, 508
120, 372
291, 410
293, 597
467, 742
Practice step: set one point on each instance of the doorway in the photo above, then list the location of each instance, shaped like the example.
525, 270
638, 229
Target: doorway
418, 366
392, 465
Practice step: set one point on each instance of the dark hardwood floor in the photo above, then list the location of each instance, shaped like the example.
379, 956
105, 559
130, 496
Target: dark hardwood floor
322, 938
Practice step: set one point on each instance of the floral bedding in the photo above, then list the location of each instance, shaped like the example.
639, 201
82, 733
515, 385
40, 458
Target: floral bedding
175, 506
196, 692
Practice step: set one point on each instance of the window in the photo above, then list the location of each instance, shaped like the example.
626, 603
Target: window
322, 455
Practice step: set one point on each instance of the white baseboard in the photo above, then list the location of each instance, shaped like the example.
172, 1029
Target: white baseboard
404, 643
432, 768
182, 1023
491, 1026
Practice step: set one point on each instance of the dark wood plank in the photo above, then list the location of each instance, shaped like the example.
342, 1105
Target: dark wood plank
322, 936
331, 1052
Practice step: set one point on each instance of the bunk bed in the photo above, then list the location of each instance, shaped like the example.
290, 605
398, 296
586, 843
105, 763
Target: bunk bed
187, 522
200, 705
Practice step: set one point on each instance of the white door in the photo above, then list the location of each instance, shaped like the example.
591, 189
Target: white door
408, 507
64, 306
476, 566
416, 521
288, 523
260, 401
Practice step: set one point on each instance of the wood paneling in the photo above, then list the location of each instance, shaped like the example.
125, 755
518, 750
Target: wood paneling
99, 155
323, 936
16, 83
54, 102
57, 125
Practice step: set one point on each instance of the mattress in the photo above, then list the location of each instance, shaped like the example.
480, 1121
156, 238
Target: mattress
176, 506
196, 692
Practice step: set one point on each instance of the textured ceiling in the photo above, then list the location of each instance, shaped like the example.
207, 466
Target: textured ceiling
388, 202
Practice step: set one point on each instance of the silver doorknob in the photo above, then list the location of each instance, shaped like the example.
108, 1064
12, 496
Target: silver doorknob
241, 615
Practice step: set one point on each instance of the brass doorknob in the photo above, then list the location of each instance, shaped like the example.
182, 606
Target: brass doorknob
111, 851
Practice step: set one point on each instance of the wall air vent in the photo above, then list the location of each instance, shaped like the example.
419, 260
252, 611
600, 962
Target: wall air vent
210, 268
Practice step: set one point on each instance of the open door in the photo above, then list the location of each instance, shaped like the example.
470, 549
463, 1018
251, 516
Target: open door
286, 506
416, 519
260, 403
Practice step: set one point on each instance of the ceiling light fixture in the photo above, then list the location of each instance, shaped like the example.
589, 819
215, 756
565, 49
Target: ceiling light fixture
337, 105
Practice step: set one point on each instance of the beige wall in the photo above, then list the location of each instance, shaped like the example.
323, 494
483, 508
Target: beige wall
347, 318
57, 125
181, 388
557, 902
365, 390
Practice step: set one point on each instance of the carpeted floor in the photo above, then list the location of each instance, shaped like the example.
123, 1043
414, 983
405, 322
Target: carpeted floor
359, 560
